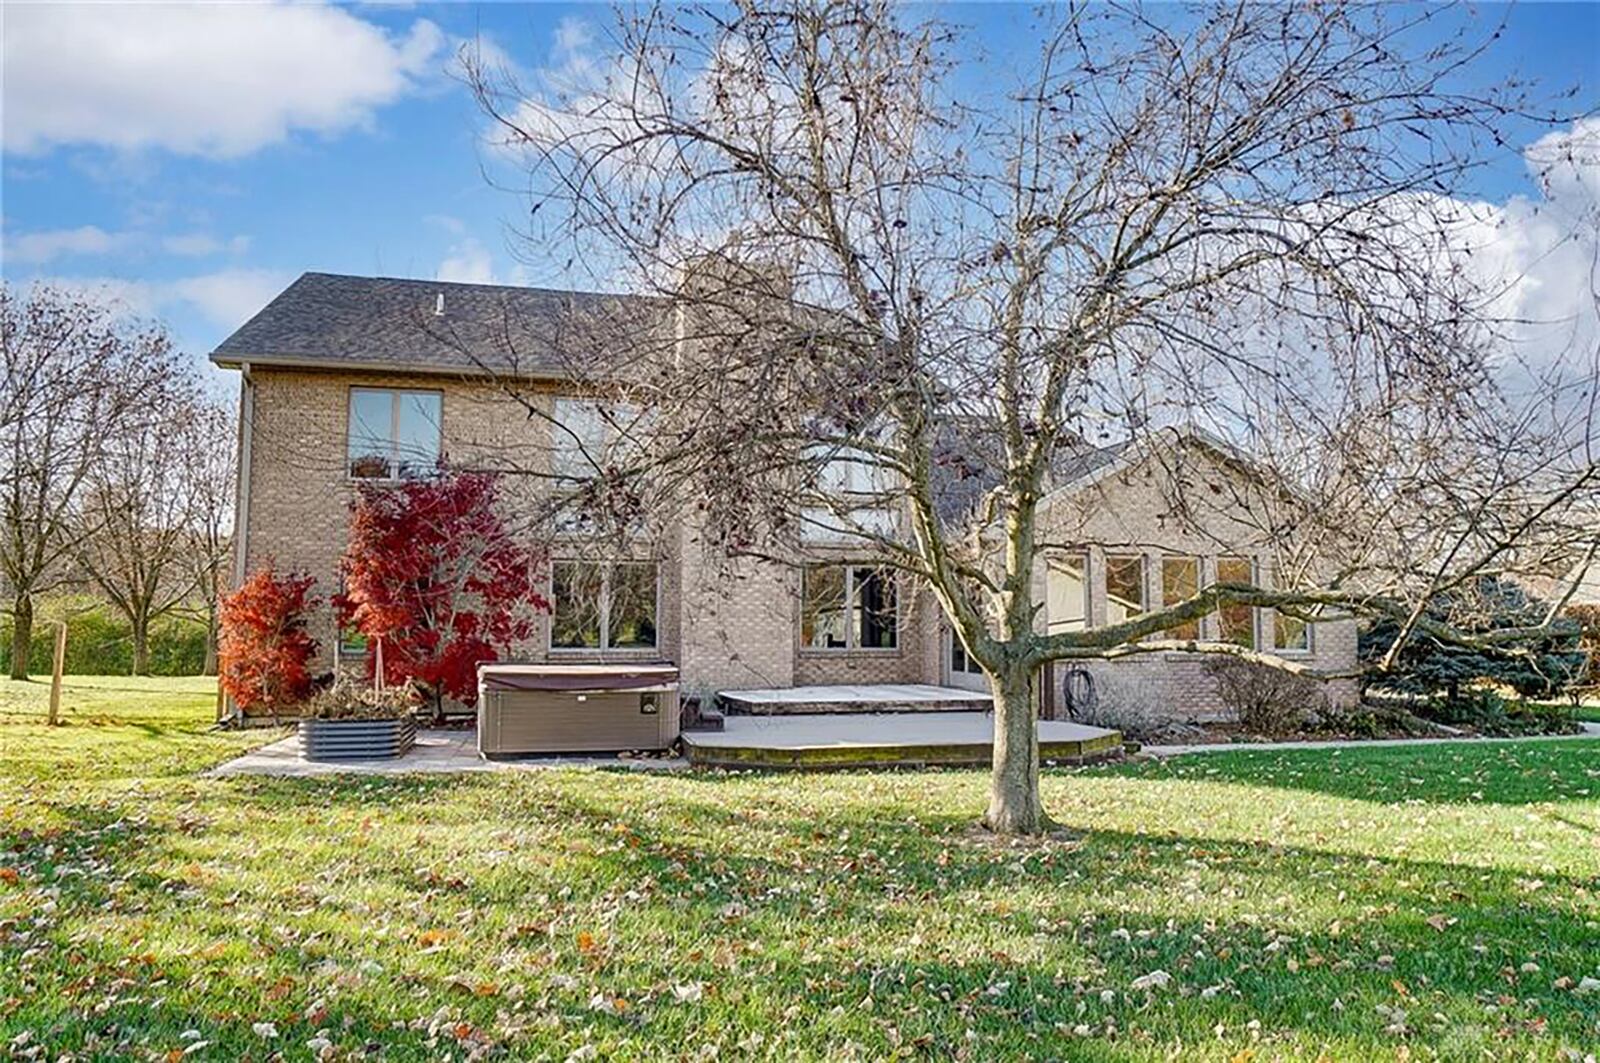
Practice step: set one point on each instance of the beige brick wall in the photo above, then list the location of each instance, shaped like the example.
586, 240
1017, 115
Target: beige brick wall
1187, 505
300, 495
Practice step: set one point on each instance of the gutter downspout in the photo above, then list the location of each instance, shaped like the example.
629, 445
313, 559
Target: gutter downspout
241, 506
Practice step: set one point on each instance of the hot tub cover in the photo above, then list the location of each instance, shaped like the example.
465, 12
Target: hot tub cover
575, 676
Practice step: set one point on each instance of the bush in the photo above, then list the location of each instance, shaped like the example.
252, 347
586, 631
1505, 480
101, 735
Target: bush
1535, 667
1588, 619
347, 699
266, 651
1266, 700
1489, 712
100, 642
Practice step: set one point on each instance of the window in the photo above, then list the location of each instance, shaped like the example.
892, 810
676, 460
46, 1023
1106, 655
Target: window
1124, 587
1289, 634
1180, 581
1066, 593
589, 436
848, 607
960, 663
603, 606
857, 491
393, 433
1236, 623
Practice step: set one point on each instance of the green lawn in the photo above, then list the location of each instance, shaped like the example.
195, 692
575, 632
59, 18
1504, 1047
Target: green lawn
1381, 904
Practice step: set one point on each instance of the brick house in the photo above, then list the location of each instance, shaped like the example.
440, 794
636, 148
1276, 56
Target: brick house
347, 380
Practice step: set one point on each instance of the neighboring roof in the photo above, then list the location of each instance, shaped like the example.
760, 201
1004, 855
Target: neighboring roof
330, 320
962, 473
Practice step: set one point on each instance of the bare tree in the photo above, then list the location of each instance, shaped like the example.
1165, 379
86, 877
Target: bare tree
209, 470
1236, 218
151, 539
77, 373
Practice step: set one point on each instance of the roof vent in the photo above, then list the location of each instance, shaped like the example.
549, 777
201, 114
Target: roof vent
438, 306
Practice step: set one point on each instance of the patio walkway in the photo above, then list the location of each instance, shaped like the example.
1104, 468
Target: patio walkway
437, 752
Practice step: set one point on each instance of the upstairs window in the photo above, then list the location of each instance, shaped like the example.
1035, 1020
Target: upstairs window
848, 607
590, 435
393, 433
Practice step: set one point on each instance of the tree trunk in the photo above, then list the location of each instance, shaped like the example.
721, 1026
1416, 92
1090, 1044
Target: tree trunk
210, 665
141, 647
1014, 805
21, 635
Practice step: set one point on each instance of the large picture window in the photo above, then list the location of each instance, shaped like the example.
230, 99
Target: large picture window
1180, 581
848, 607
393, 433
1236, 623
603, 606
1124, 587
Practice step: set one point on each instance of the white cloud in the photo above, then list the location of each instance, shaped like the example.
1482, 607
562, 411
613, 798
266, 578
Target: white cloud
226, 298
43, 246
469, 262
229, 297
206, 79
201, 245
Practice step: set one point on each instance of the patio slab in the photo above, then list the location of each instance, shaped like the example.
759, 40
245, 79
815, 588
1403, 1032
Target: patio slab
864, 698
879, 739
437, 752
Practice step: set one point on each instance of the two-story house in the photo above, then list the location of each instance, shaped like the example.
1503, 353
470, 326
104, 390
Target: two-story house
351, 380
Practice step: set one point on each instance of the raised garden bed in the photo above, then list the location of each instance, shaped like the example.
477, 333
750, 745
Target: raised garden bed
356, 739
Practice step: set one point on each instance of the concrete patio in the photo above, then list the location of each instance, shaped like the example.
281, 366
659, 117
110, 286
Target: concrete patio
437, 752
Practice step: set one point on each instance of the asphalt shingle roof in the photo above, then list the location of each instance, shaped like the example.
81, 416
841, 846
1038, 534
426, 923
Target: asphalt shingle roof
338, 321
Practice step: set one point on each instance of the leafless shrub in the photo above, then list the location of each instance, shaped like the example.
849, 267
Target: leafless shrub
1265, 700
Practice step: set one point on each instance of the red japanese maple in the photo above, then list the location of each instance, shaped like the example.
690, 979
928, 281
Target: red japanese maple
265, 651
432, 571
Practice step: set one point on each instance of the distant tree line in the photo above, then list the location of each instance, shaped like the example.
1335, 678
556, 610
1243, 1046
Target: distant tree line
116, 474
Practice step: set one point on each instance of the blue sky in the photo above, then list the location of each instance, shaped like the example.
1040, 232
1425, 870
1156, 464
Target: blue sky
192, 161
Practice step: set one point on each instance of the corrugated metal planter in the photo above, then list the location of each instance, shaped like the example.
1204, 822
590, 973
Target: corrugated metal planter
356, 739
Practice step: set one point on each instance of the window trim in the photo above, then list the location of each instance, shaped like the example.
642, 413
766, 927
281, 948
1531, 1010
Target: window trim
395, 395
604, 645
850, 646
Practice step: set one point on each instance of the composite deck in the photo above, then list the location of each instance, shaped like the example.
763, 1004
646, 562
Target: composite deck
879, 739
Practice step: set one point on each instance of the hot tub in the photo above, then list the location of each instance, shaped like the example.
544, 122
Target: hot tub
576, 708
